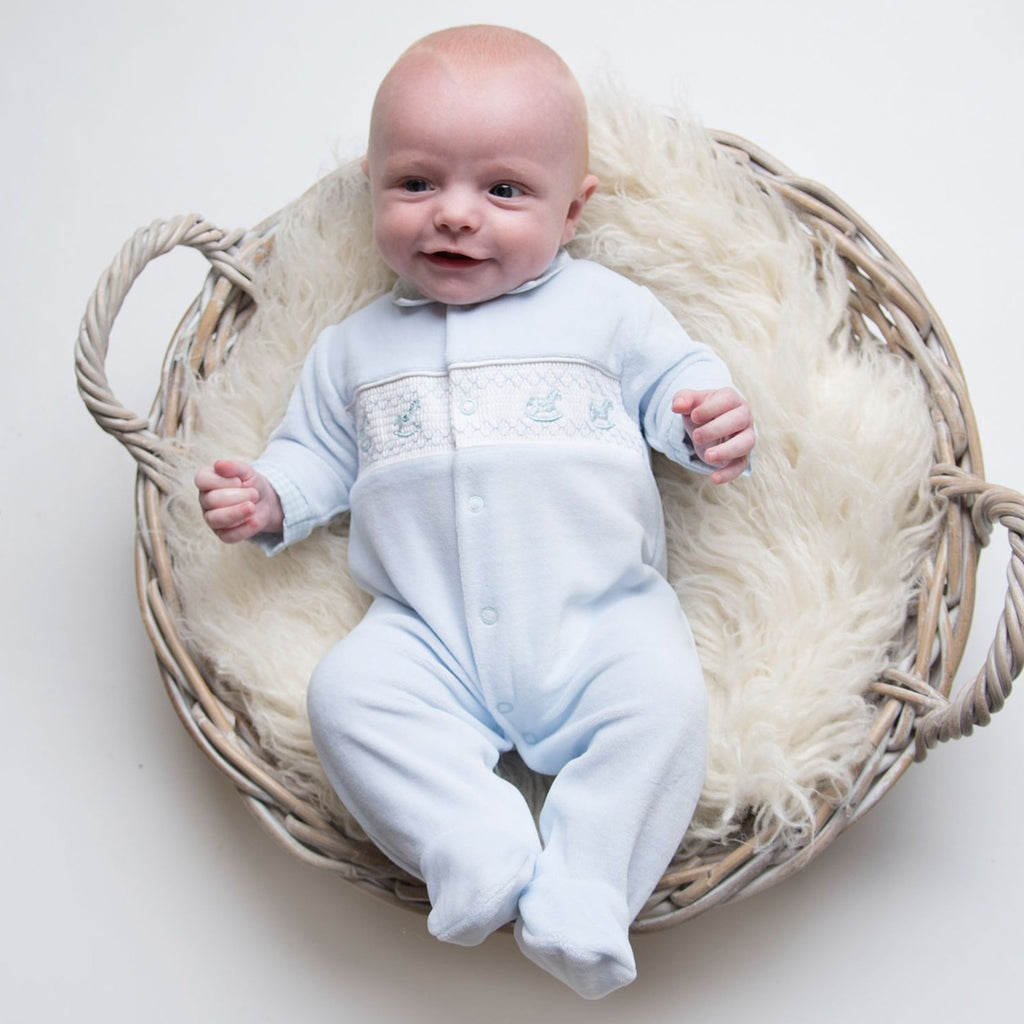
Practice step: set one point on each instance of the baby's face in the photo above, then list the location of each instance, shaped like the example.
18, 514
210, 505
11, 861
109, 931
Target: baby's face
477, 180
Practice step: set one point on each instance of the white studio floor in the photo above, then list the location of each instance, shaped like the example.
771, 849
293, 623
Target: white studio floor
136, 886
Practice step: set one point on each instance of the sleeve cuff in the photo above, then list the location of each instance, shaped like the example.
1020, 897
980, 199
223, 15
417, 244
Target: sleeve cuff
298, 517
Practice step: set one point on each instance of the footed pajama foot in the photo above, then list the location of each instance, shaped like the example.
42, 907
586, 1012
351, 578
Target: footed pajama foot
578, 932
475, 889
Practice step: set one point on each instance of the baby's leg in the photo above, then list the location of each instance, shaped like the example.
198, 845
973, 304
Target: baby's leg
630, 764
411, 754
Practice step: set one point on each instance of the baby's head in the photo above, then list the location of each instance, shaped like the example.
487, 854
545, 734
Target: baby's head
477, 162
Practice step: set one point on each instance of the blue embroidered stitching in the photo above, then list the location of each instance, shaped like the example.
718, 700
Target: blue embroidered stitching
600, 414
407, 423
544, 408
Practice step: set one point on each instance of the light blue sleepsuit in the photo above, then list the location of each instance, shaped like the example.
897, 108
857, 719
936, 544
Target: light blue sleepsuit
505, 519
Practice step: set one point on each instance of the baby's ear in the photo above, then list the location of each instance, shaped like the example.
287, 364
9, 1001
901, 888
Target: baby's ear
572, 217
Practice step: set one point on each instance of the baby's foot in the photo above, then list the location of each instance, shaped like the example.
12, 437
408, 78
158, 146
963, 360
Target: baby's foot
579, 932
475, 890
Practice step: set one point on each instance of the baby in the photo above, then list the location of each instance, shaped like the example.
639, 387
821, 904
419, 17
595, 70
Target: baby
487, 424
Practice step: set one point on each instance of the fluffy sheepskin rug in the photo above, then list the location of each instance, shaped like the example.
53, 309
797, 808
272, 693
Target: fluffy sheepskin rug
796, 581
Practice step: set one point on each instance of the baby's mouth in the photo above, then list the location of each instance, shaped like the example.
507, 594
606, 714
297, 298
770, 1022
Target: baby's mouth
448, 257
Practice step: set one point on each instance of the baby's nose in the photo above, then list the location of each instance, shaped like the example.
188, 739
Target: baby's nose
457, 210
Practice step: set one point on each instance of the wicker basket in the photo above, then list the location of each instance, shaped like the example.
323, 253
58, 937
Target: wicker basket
916, 708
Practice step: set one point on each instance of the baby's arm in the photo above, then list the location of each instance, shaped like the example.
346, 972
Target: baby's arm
237, 501
721, 427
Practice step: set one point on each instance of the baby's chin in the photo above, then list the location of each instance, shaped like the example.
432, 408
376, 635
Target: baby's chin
462, 282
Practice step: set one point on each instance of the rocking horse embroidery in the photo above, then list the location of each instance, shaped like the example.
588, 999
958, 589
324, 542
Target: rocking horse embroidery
601, 414
544, 409
407, 423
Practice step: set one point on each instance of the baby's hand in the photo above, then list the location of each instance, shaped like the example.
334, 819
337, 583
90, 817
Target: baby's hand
238, 502
721, 427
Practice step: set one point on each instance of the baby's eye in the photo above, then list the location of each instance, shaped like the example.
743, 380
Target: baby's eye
503, 190
416, 185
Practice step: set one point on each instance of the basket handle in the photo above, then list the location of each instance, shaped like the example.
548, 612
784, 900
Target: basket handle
975, 704
160, 237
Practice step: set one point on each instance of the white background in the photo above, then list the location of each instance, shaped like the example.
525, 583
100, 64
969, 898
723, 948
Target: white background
136, 887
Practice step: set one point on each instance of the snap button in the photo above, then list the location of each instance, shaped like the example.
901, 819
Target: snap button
475, 503
468, 406
489, 616
504, 707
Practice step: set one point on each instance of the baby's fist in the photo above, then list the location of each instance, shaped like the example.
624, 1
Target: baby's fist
721, 428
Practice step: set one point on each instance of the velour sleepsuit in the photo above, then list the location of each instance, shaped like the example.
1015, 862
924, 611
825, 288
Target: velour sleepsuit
505, 518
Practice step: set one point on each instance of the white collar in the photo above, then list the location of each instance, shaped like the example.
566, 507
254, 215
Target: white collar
404, 294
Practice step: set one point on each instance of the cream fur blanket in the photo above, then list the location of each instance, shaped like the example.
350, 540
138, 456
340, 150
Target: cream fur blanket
796, 581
